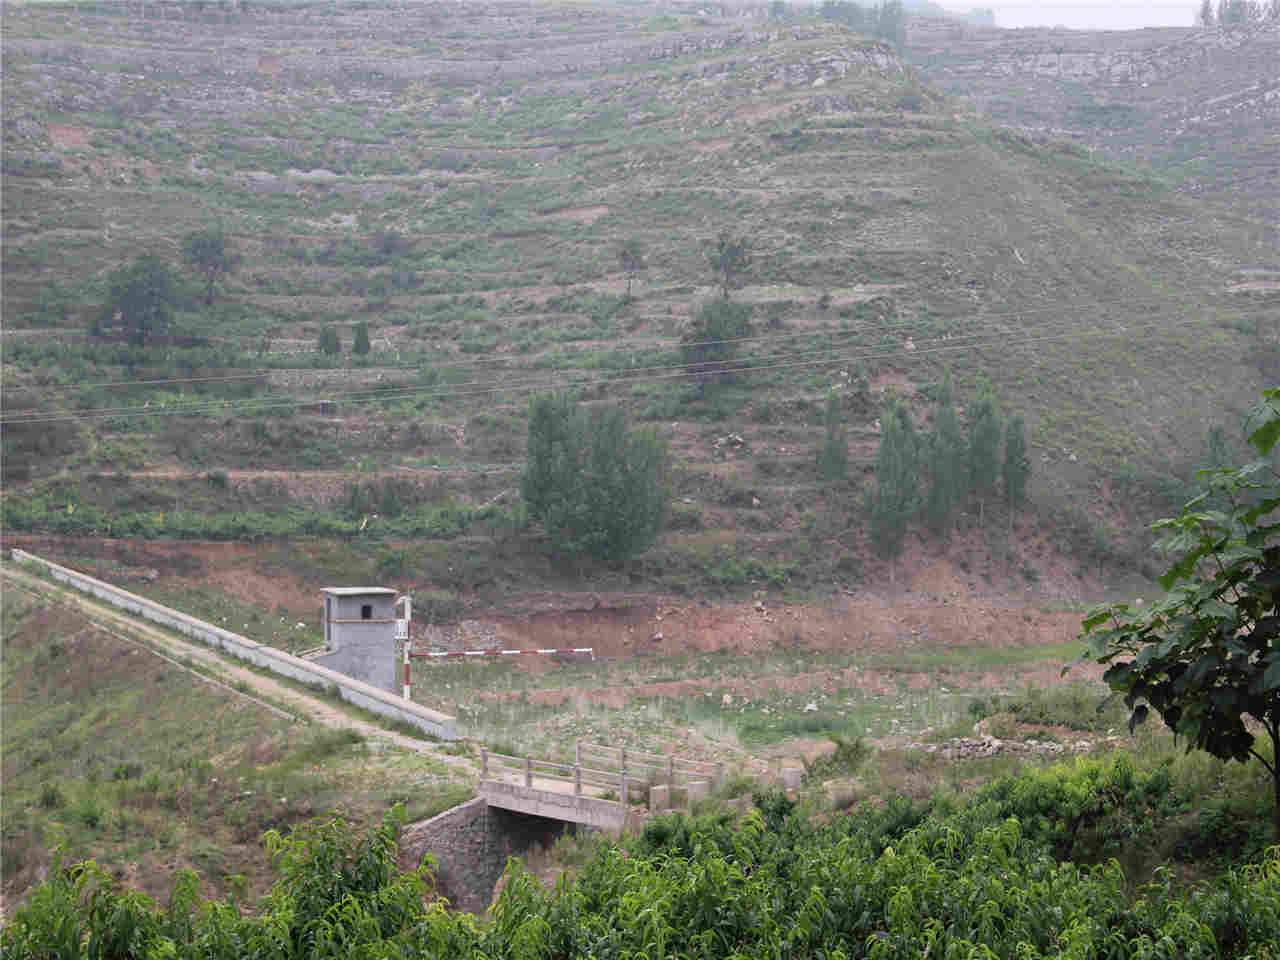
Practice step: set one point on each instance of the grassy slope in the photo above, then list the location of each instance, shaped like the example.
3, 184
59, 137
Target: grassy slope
111, 752
471, 177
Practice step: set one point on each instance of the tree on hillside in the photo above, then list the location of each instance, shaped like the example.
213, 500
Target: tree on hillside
709, 348
140, 297
984, 448
598, 487
1204, 17
891, 23
328, 342
730, 259
360, 341
207, 252
1206, 657
1235, 12
631, 259
946, 463
893, 501
833, 454
1016, 470
845, 11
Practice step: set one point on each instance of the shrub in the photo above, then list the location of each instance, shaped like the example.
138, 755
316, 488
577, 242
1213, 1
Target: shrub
50, 796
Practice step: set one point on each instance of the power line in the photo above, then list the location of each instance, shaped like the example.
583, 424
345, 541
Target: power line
550, 379
742, 367
143, 383
653, 344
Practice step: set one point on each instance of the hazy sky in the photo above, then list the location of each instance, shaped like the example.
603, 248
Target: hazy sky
1089, 14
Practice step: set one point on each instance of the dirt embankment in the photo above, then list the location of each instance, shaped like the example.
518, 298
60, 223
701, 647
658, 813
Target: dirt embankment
876, 624
939, 615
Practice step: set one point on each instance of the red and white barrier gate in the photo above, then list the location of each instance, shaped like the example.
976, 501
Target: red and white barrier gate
486, 653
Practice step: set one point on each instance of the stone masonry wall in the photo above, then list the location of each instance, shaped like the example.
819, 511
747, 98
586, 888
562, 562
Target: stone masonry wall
471, 844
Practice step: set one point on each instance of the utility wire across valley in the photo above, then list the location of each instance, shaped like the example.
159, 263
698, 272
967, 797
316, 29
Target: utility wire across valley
558, 381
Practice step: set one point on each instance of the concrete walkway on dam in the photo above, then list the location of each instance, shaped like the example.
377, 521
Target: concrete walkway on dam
293, 699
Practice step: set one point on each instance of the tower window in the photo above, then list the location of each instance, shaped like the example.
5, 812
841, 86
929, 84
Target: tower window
366, 611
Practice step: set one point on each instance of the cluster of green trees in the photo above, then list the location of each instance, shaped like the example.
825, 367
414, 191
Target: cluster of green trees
142, 295
1229, 13
329, 342
888, 21
992, 878
598, 487
932, 477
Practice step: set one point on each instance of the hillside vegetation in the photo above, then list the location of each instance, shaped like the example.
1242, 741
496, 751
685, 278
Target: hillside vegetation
456, 183
1198, 106
114, 752
895, 881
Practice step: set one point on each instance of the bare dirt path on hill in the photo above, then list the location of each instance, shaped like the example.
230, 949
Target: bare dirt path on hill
306, 707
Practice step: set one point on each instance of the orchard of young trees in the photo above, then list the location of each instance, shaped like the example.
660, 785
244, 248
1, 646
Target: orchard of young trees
993, 878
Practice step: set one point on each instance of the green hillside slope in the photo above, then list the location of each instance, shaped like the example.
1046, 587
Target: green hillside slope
461, 179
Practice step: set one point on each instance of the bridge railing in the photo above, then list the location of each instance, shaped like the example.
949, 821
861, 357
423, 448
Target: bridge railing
654, 767
530, 768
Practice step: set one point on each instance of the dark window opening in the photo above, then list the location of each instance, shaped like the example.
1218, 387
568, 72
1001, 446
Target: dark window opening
366, 611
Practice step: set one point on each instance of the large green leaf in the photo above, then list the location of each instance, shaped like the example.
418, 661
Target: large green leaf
1265, 436
1271, 678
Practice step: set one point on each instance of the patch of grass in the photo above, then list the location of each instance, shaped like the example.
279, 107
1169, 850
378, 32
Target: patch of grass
137, 762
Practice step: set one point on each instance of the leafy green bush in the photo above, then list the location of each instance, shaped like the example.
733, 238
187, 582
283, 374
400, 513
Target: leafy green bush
889, 881
849, 755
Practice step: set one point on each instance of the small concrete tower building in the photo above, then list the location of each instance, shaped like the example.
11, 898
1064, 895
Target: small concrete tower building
360, 634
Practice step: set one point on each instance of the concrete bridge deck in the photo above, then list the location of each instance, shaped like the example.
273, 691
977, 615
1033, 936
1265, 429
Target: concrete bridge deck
556, 801
577, 793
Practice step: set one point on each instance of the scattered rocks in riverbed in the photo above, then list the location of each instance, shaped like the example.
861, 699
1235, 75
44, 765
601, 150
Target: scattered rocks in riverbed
970, 748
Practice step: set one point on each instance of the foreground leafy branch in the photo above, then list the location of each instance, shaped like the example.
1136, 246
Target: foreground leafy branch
1206, 656
891, 881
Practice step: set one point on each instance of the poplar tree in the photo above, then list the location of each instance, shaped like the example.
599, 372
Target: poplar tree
1017, 465
895, 498
361, 344
833, 455
598, 487
946, 463
984, 448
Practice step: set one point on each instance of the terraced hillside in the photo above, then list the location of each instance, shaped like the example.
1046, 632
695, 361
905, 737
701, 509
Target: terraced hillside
460, 178
1200, 106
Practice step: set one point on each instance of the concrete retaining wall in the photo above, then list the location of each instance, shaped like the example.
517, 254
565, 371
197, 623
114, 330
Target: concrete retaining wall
471, 844
277, 661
